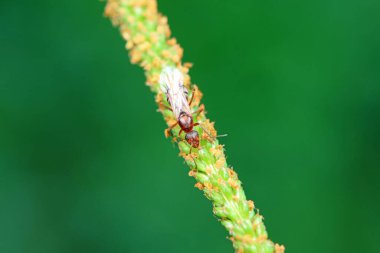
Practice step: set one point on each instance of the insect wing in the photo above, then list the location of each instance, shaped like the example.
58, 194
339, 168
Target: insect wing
171, 81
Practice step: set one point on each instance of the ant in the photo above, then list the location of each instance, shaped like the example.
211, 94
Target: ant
171, 81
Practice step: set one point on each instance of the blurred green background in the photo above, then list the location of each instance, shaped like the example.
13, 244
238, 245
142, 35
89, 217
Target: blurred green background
85, 167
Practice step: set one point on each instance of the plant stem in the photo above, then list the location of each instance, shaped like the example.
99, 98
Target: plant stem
150, 45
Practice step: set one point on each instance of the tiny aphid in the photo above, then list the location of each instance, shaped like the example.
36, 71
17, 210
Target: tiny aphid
171, 81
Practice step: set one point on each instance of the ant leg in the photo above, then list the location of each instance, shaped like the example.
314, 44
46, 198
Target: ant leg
195, 163
165, 107
192, 97
180, 132
199, 111
191, 148
168, 130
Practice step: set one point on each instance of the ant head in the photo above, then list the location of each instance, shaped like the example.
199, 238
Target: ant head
193, 139
185, 121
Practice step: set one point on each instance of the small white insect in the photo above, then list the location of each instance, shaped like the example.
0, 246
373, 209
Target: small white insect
171, 81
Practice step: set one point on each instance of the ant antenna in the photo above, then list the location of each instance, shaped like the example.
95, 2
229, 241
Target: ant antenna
208, 133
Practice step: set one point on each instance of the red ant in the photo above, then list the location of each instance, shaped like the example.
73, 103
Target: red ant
172, 85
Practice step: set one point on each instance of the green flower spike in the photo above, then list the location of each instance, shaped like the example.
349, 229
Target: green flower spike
151, 46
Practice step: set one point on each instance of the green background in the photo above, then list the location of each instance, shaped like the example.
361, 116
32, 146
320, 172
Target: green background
85, 167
